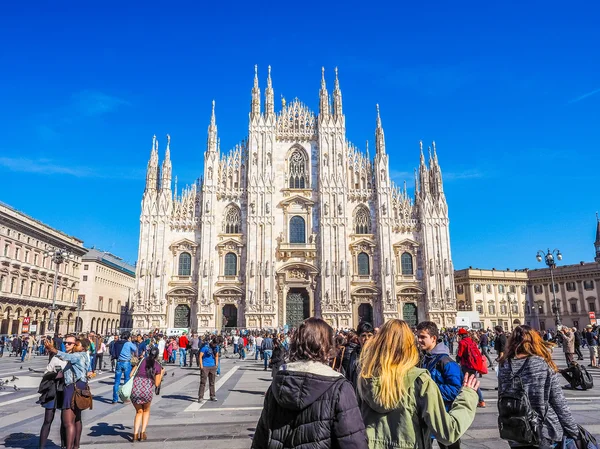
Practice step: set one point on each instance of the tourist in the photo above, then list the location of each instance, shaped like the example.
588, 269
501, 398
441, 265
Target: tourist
499, 341
349, 347
147, 378
484, 345
568, 340
527, 356
208, 369
75, 374
257, 344
267, 350
100, 350
365, 332
278, 357
578, 341
122, 351
183, 347
444, 371
236, 340
591, 339
309, 404
51, 389
469, 358
24, 345
401, 404
194, 349
242, 347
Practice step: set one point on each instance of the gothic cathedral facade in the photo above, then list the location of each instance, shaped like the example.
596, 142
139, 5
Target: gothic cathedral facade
293, 222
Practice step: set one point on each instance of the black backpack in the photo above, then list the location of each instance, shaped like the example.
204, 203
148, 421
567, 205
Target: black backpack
517, 420
585, 378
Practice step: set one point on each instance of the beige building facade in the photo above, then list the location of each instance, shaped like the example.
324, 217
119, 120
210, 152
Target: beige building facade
577, 290
500, 297
531, 297
295, 221
106, 292
27, 275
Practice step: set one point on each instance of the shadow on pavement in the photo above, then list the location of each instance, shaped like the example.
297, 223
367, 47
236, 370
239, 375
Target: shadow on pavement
180, 397
26, 440
259, 393
103, 399
106, 429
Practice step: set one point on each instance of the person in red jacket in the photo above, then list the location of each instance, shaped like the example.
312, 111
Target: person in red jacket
183, 344
469, 358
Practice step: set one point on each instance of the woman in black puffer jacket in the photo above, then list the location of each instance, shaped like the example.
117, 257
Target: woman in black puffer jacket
310, 405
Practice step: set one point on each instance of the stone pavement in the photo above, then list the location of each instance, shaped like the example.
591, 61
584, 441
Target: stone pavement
178, 421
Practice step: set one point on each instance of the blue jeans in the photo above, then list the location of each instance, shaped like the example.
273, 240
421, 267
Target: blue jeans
267, 354
219, 367
256, 354
242, 352
235, 348
23, 354
182, 356
120, 368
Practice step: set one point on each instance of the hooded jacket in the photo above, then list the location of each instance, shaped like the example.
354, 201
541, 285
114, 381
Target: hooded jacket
444, 371
419, 415
310, 406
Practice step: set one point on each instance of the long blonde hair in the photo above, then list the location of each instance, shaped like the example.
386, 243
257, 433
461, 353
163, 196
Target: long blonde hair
387, 357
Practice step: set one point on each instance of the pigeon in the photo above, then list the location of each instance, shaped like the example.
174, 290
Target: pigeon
14, 378
172, 374
30, 369
21, 367
16, 388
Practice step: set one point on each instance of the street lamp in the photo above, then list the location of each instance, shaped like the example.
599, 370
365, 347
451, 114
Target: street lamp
58, 256
510, 306
549, 258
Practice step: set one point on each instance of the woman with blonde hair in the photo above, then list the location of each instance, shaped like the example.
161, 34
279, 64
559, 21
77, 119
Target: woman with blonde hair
527, 363
401, 405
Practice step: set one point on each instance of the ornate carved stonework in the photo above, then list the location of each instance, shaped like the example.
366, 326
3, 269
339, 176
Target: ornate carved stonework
294, 164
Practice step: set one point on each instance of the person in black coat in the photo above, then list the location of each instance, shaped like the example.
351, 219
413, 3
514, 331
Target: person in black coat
309, 404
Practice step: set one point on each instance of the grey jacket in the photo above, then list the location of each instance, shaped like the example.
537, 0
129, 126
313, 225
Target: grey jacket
536, 376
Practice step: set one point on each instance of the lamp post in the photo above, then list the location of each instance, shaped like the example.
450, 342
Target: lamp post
549, 258
510, 306
58, 256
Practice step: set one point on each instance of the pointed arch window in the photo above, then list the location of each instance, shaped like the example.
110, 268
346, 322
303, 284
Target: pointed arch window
298, 170
362, 221
297, 230
364, 268
185, 264
230, 264
406, 261
232, 220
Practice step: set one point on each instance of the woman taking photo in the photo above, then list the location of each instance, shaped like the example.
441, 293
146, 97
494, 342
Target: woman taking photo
527, 357
75, 374
401, 405
308, 403
147, 377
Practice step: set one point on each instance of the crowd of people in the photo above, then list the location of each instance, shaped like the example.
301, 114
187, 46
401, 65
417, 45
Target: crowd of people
393, 386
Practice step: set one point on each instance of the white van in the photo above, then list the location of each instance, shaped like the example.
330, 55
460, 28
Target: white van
176, 331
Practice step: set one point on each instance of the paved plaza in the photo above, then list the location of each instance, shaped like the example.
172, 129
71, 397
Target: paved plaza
177, 420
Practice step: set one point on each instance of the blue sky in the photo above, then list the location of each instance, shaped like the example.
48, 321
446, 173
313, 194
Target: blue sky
510, 94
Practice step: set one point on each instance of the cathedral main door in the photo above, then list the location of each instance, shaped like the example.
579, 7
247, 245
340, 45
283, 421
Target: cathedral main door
182, 316
297, 307
229, 315
365, 313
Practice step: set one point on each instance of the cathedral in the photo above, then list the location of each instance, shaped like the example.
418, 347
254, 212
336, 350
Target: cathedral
294, 221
